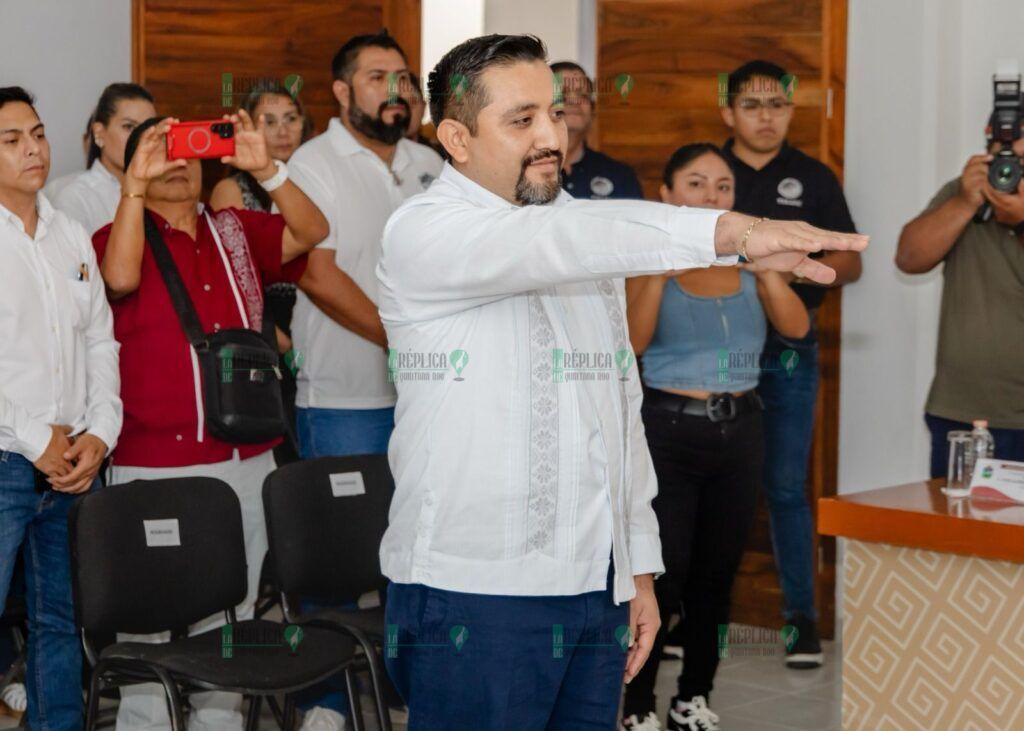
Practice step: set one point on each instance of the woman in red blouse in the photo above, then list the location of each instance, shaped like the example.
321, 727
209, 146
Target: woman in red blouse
225, 258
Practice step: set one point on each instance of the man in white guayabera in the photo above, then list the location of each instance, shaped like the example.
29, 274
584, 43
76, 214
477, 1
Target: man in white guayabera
522, 547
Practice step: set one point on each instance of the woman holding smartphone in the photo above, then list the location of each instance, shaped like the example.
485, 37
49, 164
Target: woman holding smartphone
699, 334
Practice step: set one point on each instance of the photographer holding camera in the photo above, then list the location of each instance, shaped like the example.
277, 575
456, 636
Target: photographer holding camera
977, 231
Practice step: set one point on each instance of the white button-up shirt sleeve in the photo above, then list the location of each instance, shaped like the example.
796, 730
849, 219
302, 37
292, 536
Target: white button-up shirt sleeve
104, 409
450, 255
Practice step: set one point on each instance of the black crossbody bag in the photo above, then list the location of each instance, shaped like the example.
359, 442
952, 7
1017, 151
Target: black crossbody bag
239, 367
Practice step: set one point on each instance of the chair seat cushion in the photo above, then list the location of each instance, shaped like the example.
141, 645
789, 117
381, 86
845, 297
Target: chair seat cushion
254, 656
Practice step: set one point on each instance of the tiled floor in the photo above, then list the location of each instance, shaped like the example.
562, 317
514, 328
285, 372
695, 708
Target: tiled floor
751, 694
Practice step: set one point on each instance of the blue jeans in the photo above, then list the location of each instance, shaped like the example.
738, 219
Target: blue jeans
469, 661
789, 399
1009, 443
337, 433
37, 525
340, 432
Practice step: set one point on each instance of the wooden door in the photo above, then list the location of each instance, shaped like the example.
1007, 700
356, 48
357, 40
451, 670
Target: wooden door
658, 67
200, 60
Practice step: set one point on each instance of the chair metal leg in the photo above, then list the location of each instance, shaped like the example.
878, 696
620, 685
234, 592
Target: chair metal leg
376, 673
353, 699
252, 720
92, 702
289, 713
173, 698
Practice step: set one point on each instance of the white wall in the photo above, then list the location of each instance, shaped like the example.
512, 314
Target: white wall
919, 93
65, 53
556, 22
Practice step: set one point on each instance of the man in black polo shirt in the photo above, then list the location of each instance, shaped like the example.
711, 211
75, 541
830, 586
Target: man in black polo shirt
588, 173
775, 180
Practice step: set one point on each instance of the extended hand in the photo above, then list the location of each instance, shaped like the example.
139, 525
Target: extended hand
87, 455
783, 246
250, 146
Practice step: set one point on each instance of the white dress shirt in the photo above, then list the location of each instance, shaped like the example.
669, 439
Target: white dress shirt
59, 360
356, 192
522, 477
91, 198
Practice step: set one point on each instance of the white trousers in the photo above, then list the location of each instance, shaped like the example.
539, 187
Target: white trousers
145, 706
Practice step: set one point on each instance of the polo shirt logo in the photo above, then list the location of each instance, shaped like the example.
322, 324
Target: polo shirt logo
790, 190
426, 179
601, 186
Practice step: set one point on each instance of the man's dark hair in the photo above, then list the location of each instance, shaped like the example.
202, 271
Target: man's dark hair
563, 66
740, 78
344, 63
133, 139
454, 85
16, 94
106, 107
687, 154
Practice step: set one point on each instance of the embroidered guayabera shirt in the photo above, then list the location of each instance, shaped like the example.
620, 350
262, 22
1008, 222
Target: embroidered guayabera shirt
519, 456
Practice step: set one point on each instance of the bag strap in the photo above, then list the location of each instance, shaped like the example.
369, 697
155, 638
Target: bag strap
187, 314
183, 306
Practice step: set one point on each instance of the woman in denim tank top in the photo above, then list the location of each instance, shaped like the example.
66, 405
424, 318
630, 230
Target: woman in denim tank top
699, 334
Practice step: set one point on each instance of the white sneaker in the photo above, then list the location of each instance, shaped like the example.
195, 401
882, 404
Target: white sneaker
15, 697
692, 716
322, 719
650, 722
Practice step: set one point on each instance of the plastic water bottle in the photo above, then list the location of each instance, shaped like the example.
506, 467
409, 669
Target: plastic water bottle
982, 443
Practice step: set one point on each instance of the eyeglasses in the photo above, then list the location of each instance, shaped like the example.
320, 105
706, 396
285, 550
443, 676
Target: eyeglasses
775, 105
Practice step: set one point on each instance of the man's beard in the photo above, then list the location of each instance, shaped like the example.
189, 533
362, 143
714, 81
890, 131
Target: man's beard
375, 127
537, 194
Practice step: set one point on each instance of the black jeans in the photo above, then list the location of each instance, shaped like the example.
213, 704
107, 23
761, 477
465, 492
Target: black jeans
708, 479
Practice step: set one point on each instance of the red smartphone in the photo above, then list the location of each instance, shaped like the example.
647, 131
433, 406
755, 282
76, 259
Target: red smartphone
200, 140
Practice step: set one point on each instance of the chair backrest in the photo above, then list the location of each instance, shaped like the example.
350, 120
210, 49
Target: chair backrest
153, 555
325, 521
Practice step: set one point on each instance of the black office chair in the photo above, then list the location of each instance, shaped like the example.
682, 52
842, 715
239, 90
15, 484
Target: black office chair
156, 555
325, 521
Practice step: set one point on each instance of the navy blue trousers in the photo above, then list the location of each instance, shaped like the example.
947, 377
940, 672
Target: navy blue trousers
488, 663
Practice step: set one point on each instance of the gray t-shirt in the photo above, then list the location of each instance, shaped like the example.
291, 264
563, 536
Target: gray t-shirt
979, 366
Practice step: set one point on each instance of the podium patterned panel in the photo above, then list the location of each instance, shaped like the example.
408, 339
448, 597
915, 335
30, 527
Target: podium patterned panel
931, 641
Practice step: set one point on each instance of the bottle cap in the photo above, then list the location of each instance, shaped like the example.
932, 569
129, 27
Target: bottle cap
983, 423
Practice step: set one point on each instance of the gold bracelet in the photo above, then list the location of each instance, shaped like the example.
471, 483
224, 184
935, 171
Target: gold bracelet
133, 195
743, 242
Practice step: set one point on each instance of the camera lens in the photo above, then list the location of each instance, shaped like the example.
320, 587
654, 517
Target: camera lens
1005, 175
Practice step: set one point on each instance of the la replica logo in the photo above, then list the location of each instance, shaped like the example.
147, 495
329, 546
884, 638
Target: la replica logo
790, 190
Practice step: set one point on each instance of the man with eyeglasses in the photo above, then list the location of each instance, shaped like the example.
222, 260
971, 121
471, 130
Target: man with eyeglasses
775, 180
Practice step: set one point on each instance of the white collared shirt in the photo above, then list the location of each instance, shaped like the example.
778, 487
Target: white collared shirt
519, 457
356, 192
91, 198
59, 360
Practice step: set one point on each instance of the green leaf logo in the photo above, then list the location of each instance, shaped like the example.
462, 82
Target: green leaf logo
790, 634
790, 359
623, 636
293, 636
458, 85
624, 83
459, 359
294, 360
789, 83
458, 634
624, 359
293, 83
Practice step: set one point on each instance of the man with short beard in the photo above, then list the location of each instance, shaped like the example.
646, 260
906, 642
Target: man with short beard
522, 547
357, 172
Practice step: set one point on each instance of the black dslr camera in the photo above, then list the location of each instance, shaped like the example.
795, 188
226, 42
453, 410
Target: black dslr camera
1004, 128
1005, 171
